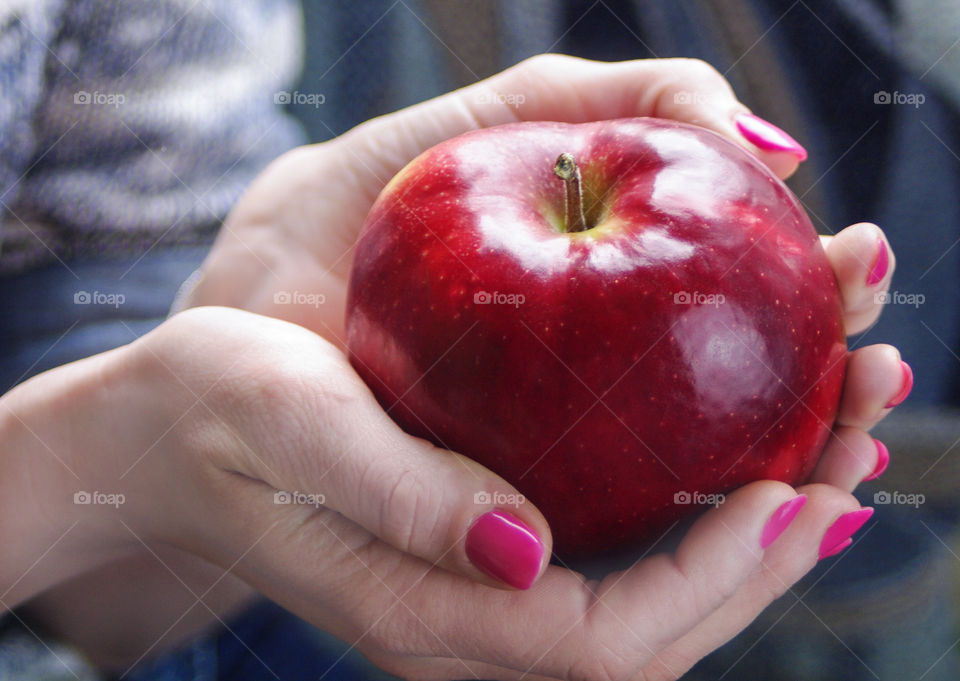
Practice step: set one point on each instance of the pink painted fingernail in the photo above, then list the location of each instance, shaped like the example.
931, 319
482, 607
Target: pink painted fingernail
780, 519
767, 136
838, 536
836, 549
883, 459
905, 388
880, 265
504, 547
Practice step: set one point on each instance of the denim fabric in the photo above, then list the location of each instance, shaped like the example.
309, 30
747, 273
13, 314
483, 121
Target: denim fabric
60, 313
264, 643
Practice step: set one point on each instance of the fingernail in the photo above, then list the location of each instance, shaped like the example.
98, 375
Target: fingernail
502, 546
780, 519
879, 269
767, 136
883, 459
838, 536
836, 549
905, 389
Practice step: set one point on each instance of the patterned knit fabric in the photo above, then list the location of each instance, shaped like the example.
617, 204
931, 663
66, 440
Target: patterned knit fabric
126, 122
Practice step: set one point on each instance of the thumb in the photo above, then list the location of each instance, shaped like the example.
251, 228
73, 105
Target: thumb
426, 501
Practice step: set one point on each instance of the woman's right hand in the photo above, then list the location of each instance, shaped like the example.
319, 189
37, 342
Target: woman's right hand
202, 422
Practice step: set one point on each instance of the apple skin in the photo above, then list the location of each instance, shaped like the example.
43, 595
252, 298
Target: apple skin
602, 395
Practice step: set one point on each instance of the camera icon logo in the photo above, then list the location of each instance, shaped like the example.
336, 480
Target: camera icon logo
482, 298
683, 97
681, 298
882, 97
282, 97
482, 498
281, 297
282, 498
81, 97
81, 298
682, 498
882, 298
882, 497
83, 498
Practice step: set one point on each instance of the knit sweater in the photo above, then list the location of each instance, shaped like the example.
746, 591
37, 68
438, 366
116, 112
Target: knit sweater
124, 123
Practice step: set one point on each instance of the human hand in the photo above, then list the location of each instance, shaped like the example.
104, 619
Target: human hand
201, 422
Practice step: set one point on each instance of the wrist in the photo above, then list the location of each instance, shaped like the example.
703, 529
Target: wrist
49, 427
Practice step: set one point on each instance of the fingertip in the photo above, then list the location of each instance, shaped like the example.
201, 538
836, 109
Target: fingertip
745, 513
780, 519
863, 263
775, 147
505, 548
840, 533
849, 457
876, 379
906, 386
883, 460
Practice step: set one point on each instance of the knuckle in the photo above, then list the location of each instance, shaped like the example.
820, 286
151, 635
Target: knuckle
408, 514
546, 63
698, 69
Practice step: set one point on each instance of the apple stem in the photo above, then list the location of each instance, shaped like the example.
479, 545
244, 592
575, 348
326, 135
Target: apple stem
566, 169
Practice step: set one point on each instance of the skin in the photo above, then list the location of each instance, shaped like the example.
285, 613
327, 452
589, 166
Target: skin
199, 423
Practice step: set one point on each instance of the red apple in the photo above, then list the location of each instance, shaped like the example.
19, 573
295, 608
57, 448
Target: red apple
683, 341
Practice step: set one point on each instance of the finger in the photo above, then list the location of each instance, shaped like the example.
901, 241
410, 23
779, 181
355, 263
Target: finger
563, 627
876, 381
785, 562
392, 606
850, 457
568, 89
558, 87
610, 629
863, 263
